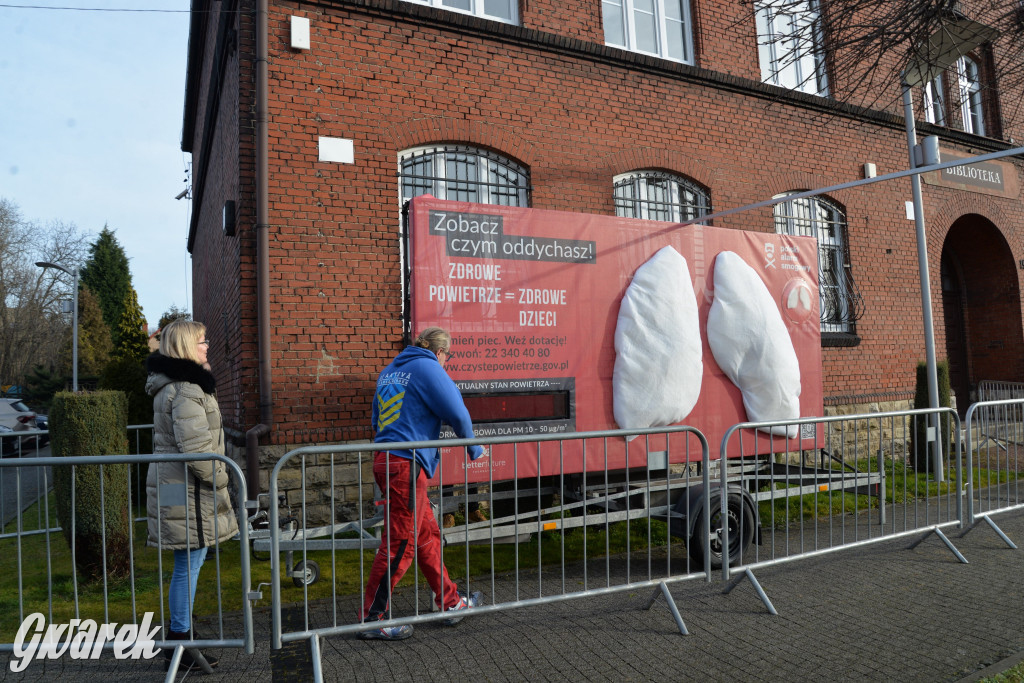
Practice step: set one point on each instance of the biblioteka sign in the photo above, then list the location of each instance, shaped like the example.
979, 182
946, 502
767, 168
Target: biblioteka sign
990, 177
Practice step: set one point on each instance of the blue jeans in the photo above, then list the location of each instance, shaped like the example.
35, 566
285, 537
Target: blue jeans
182, 593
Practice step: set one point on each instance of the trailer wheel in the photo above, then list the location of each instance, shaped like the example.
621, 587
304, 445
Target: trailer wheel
306, 573
741, 531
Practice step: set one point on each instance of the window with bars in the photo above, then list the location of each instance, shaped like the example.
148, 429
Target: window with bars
823, 219
464, 174
659, 196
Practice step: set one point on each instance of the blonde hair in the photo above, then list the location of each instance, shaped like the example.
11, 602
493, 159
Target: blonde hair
434, 339
178, 339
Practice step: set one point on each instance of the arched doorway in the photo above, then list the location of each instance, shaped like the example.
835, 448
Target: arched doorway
981, 308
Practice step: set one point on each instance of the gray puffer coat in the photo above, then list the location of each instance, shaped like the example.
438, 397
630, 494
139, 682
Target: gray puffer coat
194, 502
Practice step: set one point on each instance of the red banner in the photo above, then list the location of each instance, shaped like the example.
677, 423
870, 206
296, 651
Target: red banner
531, 298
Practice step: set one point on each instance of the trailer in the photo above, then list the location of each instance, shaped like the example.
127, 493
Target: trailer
536, 302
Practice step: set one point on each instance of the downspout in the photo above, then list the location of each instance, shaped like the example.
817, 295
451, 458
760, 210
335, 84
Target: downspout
252, 437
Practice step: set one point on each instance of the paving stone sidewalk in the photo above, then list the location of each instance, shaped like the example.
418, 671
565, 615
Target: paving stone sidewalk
879, 612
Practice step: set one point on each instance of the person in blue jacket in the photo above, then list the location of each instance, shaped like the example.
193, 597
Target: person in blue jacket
414, 396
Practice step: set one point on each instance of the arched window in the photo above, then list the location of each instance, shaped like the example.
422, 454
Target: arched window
823, 219
970, 96
464, 174
659, 196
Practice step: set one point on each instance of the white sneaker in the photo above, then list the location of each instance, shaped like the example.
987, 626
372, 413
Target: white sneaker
387, 633
474, 599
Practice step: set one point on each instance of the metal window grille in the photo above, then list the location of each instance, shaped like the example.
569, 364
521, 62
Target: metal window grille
464, 174
841, 301
659, 196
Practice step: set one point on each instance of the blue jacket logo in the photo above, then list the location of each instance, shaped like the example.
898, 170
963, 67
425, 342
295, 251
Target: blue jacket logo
389, 405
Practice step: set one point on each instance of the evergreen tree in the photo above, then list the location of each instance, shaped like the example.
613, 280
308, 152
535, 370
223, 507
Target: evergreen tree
94, 343
173, 313
132, 342
107, 274
41, 385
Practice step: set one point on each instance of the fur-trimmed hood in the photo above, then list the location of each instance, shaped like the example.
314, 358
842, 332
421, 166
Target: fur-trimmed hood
163, 370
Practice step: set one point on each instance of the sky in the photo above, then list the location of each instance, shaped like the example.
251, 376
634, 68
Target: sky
90, 129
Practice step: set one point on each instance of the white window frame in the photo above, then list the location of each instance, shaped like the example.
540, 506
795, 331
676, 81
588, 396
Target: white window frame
659, 196
971, 108
824, 220
476, 8
627, 12
789, 45
934, 104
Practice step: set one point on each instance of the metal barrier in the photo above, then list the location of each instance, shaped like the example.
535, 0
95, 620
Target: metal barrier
997, 390
34, 443
870, 452
42, 562
545, 535
994, 419
995, 458
15, 497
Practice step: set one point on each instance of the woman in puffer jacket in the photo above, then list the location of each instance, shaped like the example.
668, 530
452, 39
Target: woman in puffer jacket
188, 504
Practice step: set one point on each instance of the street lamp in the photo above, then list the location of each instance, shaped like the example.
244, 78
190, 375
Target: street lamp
74, 319
941, 50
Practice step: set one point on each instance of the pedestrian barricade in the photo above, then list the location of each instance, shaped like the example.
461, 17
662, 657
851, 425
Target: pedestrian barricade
23, 443
85, 579
34, 443
584, 514
601, 524
998, 422
882, 476
995, 457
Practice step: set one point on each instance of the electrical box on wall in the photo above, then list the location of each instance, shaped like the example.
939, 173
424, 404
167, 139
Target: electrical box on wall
228, 218
300, 33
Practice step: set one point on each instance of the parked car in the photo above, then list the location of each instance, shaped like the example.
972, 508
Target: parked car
18, 417
8, 442
43, 423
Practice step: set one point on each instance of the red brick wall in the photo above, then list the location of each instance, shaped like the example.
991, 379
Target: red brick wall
575, 113
220, 263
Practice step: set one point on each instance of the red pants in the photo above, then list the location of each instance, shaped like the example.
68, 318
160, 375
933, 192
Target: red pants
394, 476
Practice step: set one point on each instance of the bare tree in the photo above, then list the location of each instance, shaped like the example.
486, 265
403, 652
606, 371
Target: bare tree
865, 46
33, 327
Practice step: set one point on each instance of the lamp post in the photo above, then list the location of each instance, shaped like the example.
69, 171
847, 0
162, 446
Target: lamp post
926, 288
954, 39
74, 318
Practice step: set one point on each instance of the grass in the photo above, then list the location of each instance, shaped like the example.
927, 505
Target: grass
110, 601
1012, 675
902, 485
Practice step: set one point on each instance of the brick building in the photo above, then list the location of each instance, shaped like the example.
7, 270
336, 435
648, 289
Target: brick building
660, 109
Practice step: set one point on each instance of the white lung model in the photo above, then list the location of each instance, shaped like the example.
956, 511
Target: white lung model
658, 368
751, 344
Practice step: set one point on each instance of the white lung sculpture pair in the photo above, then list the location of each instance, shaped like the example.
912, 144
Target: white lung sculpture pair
658, 352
